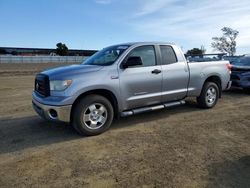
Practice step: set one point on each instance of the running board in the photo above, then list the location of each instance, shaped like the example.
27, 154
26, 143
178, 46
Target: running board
151, 108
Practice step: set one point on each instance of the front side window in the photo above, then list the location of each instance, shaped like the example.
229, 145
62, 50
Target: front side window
147, 54
106, 56
167, 55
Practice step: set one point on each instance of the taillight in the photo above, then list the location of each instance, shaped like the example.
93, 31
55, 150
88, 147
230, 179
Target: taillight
229, 67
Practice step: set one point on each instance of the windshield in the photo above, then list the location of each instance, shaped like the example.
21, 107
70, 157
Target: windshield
106, 56
244, 61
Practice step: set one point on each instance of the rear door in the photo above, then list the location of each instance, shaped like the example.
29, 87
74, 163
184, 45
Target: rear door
141, 85
175, 75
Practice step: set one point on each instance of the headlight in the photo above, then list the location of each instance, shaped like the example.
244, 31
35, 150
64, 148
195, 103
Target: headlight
59, 85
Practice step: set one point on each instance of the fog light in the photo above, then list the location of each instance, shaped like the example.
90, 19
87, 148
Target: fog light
52, 113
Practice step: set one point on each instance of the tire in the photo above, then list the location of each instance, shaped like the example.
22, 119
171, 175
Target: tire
92, 115
209, 95
247, 90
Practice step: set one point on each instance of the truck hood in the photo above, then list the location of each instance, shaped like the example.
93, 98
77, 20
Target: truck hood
59, 72
236, 68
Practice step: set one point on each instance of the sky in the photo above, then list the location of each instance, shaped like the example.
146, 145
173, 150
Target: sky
94, 24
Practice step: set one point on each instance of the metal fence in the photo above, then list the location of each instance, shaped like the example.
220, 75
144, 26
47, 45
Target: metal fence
42, 59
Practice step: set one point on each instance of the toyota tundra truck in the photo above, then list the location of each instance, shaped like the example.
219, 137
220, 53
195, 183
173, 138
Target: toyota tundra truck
126, 79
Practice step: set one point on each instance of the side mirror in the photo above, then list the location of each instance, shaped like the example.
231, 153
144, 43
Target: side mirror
132, 61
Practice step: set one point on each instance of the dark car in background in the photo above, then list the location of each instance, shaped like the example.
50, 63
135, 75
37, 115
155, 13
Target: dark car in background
241, 73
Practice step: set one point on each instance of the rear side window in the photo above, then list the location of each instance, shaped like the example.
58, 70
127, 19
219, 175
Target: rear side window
147, 54
167, 55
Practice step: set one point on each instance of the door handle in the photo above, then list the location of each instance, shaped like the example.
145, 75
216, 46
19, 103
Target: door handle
156, 71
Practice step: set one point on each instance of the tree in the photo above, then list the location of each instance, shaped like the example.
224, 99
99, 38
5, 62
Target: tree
226, 43
203, 49
196, 51
61, 49
3, 51
14, 53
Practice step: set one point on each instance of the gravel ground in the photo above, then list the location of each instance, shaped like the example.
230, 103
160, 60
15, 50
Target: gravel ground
179, 147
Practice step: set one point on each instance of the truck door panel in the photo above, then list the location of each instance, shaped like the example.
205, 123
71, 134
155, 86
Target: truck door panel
175, 75
141, 85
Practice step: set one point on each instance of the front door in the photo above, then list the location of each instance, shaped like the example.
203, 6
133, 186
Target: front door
141, 85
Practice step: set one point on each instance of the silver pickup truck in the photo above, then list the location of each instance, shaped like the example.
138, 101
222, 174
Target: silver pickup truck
123, 80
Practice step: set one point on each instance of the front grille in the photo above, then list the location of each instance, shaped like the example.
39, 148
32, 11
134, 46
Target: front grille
42, 85
235, 77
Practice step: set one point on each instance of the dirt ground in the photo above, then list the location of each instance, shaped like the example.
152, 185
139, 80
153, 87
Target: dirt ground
179, 147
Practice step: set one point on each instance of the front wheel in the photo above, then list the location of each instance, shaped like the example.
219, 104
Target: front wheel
247, 90
92, 115
209, 95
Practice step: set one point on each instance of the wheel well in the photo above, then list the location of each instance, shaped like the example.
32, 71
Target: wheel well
103, 92
217, 81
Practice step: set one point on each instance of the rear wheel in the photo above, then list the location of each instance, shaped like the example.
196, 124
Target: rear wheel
209, 95
247, 90
92, 115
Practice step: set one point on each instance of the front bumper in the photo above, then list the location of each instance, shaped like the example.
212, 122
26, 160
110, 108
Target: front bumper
241, 84
52, 113
241, 80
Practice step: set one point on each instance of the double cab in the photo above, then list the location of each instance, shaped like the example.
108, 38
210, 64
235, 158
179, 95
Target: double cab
126, 79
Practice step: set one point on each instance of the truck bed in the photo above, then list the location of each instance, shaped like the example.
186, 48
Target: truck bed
199, 71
